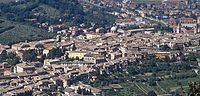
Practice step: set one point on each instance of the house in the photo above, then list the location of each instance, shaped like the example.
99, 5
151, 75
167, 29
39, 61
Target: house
125, 22
3, 47
96, 59
5, 69
69, 92
115, 55
92, 35
198, 61
25, 67
101, 30
94, 91
172, 22
55, 28
162, 55
75, 54
188, 22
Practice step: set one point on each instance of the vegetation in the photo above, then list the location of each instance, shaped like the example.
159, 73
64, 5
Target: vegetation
84, 91
146, 0
13, 32
151, 93
15, 25
99, 16
194, 88
151, 75
29, 56
55, 53
6, 1
9, 57
54, 12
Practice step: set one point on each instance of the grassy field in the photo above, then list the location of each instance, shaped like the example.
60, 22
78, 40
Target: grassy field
12, 32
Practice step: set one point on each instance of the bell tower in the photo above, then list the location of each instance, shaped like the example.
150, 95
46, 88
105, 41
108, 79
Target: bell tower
198, 25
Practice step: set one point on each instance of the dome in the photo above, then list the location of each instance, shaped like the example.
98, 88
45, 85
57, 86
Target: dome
114, 29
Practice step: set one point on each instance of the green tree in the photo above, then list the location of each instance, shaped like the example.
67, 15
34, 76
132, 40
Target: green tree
29, 56
151, 93
3, 55
194, 88
39, 46
55, 53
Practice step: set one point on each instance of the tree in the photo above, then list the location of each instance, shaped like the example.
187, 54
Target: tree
151, 93
29, 56
77, 58
194, 89
79, 91
178, 47
73, 47
152, 83
55, 52
9, 57
43, 57
10, 16
3, 55
164, 48
25, 46
27, 93
39, 46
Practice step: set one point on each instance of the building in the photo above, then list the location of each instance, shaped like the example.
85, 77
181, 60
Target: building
125, 22
5, 69
55, 28
25, 67
75, 54
92, 35
188, 22
96, 59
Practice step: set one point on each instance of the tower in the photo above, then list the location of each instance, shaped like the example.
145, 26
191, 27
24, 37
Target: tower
198, 20
178, 29
197, 28
58, 38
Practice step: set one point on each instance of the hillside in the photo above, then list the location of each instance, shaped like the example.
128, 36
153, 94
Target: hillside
6, 1
12, 32
53, 12
147, 0
69, 11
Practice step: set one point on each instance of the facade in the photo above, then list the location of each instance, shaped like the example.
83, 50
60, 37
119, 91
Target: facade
5, 69
75, 54
94, 59
25, 67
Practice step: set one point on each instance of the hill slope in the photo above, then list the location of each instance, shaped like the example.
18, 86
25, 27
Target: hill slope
70, 11
12, 32
51, 11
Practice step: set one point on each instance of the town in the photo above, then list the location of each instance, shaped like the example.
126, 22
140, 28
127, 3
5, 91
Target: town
153, 46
